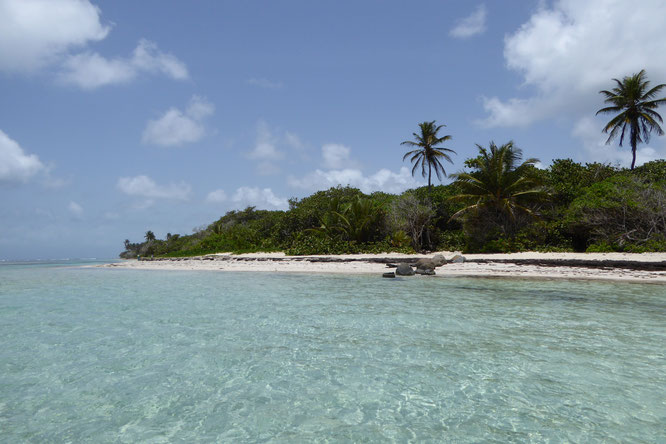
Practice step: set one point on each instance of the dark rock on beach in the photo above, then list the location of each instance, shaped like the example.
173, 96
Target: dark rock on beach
457, 259
404, 269
425, 264
438, 260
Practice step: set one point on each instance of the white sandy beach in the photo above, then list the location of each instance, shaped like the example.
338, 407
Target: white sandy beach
346, 264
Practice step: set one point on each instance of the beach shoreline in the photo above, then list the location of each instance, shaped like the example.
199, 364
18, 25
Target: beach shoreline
630, 267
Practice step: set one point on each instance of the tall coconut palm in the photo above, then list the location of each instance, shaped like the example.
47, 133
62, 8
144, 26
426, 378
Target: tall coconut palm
428, 154
500, 184
633, 99
150, 236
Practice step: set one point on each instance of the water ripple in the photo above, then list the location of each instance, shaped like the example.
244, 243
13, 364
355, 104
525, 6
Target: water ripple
133, 356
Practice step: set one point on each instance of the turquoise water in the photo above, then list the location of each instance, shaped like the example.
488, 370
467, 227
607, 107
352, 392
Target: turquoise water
105, 355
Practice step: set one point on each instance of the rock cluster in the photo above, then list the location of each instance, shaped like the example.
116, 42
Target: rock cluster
426, 266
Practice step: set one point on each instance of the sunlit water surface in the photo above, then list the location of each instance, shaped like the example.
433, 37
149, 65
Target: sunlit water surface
102, 355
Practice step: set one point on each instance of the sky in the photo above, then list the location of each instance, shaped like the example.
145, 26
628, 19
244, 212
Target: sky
118, 117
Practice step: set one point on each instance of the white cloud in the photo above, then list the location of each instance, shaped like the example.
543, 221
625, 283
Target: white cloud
75, 209
588, 131
199, 108
264, 83
336, 156
568, 52
15, 164
144, 186
265, 148
35, 33
90, 70
293, 141
177, 128
342, 170
383, 180
147, 57
471, 25
260, 198
265, 151
216, 196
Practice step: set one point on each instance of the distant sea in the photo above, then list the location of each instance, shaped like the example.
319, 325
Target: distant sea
108, 355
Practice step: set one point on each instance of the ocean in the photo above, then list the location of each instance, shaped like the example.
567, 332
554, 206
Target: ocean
112, 355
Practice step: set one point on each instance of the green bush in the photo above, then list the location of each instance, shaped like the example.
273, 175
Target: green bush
619, 212
596, 207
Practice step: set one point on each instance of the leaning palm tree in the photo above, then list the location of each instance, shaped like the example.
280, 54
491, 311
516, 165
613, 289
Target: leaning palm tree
427, 153
634, 102
499, 184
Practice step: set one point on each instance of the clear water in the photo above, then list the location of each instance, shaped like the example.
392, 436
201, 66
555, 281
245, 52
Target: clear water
104, 355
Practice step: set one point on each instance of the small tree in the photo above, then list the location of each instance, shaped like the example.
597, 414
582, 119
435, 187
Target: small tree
413, 217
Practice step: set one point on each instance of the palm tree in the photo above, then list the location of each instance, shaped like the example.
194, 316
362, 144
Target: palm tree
427, 154
499, 184
150, 236
633, 100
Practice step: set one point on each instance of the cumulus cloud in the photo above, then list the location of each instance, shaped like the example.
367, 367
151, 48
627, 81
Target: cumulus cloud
587, 130
336, 156
176, 127
264, 83
471, 25
260, 198
147, 57
75, 209
89, 70
35, 33
383, 180
216, 196
144, 186
15, 164
566, 53
340, 169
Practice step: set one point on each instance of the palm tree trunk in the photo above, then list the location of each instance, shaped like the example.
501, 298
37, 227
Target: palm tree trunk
633, 152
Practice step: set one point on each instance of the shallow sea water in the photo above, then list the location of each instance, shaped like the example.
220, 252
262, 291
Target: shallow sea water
105, 355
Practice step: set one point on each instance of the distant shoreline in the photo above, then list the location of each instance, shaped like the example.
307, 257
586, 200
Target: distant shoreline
632, 267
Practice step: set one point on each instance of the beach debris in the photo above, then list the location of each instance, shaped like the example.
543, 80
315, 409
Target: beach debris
404, 269
388, 275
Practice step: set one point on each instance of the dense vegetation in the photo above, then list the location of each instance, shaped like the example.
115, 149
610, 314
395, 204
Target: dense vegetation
567, 207
498, 204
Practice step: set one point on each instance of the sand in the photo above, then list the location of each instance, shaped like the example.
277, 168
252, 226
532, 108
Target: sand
497, 265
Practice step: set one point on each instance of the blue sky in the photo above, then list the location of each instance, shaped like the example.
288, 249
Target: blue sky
118, 117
